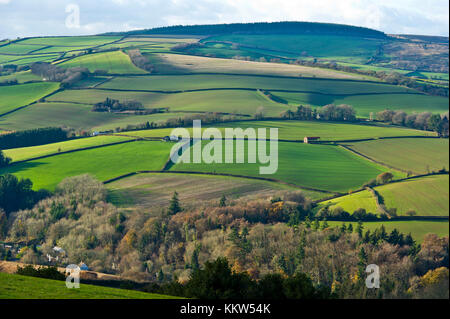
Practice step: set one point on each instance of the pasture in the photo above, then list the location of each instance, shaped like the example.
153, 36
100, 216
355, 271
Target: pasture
339, 48
323, 167
145, 191
352, 202
113, 62
418, 229
427, 196
215, 81
25, 153
365, 104
409, 154
196, 64
22, 287
104, 163
15, 96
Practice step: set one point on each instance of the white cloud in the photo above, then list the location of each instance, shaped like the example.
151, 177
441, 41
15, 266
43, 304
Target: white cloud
46, 17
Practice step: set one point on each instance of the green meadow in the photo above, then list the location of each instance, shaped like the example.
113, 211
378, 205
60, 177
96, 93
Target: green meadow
340, 48
366, 104
113, 62
21, 287
25, 153
426, 196
104, 163
15, 96
410, 154
303, 165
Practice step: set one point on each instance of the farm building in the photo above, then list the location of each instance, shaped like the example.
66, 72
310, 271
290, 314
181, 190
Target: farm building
309, 139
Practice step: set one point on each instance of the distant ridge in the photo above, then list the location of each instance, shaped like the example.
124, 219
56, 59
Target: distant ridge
288, 27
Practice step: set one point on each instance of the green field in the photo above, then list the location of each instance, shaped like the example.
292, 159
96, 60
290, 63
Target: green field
25, 153
103, 163
340, 48
427, 196
77, 116
418, 229
324, 167
409, 154
149, 190
15, 96
86, 41
24, 76
113, 62
365, 104
22, 287
211, 81
297, 130
352, 202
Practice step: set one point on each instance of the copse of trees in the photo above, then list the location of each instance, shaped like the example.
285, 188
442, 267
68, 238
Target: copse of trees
33, 137
51, 72
330, 112
266, 28
4, 161
111, 105
18, 194
141, 61
421, 121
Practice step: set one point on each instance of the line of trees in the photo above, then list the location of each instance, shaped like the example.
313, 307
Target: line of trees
330, 112
141, 61
33, 137
111, 105
421, 121
51, 72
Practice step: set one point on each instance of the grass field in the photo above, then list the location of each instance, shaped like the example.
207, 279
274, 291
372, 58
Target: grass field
427, 196
25, 153
196, 64
365, 104
352, 202
415, 154
210, 81
103, 163
22, 287
340, 48
24, 76
86, 41
77, 116
16, 96
418, 229
149, 190
113, 62
297, 130
322, 167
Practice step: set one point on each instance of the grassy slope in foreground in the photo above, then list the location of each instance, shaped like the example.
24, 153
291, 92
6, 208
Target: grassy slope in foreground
104, 163
22, 287
324, 167
415, 154
418, 229
427, 196
113, 62
15, 96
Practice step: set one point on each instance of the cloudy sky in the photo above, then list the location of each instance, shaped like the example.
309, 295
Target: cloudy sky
19, 18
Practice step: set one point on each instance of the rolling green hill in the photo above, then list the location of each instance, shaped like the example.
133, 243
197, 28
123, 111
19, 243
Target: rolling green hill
22, 287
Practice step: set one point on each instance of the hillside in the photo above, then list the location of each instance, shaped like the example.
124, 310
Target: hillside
22, 287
